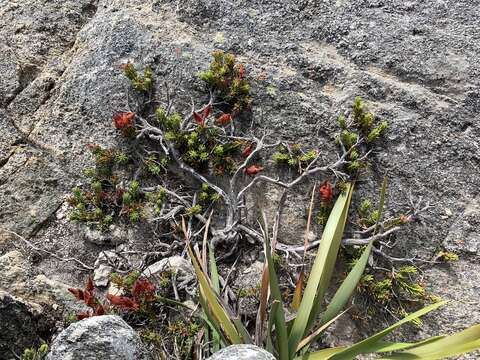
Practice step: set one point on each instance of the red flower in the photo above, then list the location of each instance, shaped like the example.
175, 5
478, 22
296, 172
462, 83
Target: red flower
77, 293
100, 310
207, 110
89, 284
88, 298
253, 170
123, 301
241, 71
83, 315
143, 287
224, 119
199, 119
123, 120
326, 193
248, 150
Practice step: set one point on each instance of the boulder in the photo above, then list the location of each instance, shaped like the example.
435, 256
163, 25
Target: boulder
18, 325
242, 352
100, 337
177, 265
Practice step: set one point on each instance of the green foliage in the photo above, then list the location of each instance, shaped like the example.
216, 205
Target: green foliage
294, 157
323, 213
35, 354
227, 79
126, 282
360, 126
367, 216
394, 290
208, 196
292, 342
140, 83
156, 165
204, 147
184, 333
252, 292
104, 201
152, 337
447, 256
376, 132
157, 199
194, 210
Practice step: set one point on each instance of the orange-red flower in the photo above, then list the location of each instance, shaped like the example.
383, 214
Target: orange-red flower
241, 71
89, 284
207, 110
123, 301
123, 120
224, 119
199, 119
88, 298
77, 293
143, 287
83, 315
326, 192
248, 150
100, 310
252, 170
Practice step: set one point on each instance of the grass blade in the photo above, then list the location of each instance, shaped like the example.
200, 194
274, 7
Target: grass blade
324, 354
278, 315
262, 308
318, 332
297, 295
216, 286
388, 346
348, 286
321, 271
456, 344
369, 344
209, 319
219, 313
271, 320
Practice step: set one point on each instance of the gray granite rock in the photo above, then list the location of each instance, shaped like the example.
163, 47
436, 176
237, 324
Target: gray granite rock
242, 352
416, 64
18, 325
99, 337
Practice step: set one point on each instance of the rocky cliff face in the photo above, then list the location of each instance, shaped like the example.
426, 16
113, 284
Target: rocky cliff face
416, 63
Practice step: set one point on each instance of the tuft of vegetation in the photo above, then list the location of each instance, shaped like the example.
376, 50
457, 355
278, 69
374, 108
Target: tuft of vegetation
358, 133
290, 340
35, 353
220, 163
139, 82
228, 78
294, 157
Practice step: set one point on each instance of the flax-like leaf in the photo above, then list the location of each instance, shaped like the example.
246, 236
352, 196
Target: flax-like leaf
279, 314
219, 313
297, 295
348, 286
388, 346
456, 344
321, 271
209, 319
216, 286
324, 354
317, 332
369, 345
271, 320
262, 308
